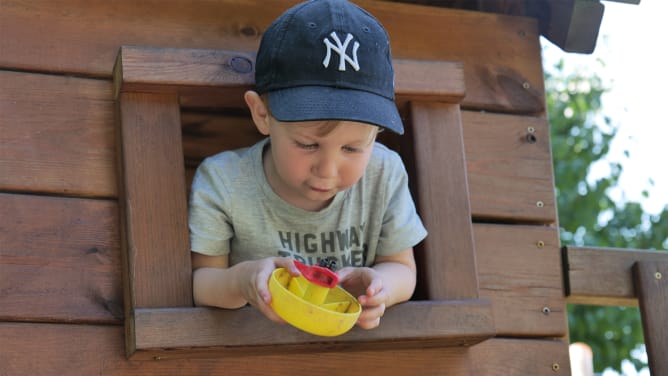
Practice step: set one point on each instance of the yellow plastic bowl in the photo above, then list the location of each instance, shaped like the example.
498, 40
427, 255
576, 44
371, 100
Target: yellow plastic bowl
336, 315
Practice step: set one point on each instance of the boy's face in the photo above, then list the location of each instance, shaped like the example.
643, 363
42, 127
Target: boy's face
310, 162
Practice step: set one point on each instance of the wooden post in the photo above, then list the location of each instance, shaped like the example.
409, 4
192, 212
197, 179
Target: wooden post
651, 283
443, 199
155, 219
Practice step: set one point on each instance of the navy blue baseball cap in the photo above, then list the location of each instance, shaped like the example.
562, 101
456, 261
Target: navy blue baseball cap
328, 60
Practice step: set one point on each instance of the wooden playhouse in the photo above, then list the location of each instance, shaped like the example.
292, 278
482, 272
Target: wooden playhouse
107, 107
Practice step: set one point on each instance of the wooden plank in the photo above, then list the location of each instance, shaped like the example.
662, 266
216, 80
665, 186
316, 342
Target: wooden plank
500, 54
447, 256
513, 357
651, 285
59, 260
154, 202
218, 78
603, 276
200, 78
520, 273
166, 70
57, 135
509, 166
98, 350
451, 323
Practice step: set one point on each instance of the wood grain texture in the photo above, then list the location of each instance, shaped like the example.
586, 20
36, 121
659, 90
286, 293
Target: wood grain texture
500, 54
98, 350
651, 285
520, 273
451, 323
509, 167
447, 255
603, 276
503, 356
155, 214
44, 285
218, 78
57, 135
59, 260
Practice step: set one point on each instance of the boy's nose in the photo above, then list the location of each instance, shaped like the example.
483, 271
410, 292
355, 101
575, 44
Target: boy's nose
326, 167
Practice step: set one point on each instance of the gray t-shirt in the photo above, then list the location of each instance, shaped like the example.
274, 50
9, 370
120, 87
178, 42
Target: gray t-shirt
234, 211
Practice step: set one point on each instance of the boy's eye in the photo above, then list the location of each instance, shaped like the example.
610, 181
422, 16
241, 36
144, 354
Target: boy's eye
350, 149
306, 146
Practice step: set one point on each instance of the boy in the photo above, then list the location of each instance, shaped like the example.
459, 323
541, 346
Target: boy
318, 186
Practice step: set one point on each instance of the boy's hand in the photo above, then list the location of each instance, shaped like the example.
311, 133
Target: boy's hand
254, 283
367, 284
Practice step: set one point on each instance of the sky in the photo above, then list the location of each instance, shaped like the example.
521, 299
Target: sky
631, 44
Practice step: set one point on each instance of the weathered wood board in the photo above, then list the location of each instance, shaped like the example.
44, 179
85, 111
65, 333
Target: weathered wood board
98, 350
59, 260
57, 135
501, 54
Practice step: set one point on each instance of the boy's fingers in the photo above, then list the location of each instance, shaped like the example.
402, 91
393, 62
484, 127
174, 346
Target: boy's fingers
269, 313
288, 264
374, 287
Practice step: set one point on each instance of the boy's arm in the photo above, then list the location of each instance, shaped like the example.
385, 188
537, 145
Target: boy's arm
214, 284
389, 281
398, 273
217, 284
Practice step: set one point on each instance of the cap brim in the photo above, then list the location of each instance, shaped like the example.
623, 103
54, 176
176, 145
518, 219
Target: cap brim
308, 103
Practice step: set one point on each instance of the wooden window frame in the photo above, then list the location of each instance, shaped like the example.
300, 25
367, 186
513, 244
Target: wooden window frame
151, 85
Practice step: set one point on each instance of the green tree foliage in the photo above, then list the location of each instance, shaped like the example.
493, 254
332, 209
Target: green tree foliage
581, 136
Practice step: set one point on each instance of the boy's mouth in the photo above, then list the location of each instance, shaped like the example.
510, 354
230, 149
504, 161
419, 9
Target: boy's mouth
321, 190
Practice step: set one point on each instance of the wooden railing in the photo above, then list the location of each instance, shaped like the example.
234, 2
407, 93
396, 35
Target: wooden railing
602, 276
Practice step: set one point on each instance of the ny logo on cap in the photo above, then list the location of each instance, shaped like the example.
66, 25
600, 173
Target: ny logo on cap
341, 48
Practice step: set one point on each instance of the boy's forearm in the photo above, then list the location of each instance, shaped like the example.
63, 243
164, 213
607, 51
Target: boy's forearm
218, 287
398, 279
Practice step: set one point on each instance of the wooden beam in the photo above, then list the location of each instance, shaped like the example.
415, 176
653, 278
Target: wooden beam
218, 78
651, 282
246, 332
447, 256
153, 202
603, 276
572, 25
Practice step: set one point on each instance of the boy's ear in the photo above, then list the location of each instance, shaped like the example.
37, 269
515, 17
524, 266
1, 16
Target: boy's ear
259, 111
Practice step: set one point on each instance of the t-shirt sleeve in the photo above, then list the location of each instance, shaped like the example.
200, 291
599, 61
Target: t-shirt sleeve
209, 213
402, 228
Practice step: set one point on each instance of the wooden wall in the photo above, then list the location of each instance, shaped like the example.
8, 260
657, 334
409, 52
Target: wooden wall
61, 303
